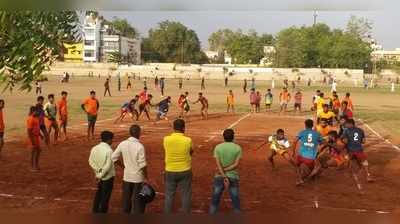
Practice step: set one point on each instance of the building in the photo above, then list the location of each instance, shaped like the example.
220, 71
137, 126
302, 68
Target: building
389, 56
73, 52
269, 53
211, 55
99, 43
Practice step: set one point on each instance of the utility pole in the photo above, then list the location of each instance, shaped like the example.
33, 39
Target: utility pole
315, 17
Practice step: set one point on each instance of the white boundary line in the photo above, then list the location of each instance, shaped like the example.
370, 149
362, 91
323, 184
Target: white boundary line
240, 119
380, 136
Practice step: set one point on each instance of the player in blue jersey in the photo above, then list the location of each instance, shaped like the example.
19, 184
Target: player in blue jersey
307, 143
354, 138
128, 108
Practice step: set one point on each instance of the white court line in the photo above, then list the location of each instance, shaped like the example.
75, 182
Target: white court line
230, 126
380, 136
354, 209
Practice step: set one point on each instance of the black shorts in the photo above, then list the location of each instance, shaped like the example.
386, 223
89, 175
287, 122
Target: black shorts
91, 118
1, 135
297, 105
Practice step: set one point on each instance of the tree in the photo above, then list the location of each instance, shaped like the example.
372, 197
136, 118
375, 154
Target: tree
319, 46
29, 42
359, 27
174, 42
242, 47
122, 27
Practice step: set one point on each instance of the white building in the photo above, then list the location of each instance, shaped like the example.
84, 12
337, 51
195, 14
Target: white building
390, 56
269, 53
98, 43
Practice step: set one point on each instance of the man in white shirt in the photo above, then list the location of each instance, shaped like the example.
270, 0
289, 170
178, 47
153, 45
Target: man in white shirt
103, 167
334, 85
135, 173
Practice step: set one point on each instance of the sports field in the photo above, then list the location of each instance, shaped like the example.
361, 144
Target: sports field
66, 183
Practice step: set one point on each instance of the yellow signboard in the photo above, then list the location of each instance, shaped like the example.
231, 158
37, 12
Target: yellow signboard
73, 52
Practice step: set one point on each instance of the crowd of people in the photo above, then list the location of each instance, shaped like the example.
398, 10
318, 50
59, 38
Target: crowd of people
332, 139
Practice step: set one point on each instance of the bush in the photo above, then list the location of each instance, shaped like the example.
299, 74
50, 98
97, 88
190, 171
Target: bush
295, 70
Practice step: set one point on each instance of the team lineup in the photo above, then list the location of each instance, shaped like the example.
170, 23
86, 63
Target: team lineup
331, 139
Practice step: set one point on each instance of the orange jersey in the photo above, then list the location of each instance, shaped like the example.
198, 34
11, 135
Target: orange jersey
349, 103
62, 108
1, 121
284, 96
323, 131
32, 123
230, 99
91, 106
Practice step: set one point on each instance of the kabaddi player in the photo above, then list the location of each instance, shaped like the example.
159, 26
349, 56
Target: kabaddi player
332, 152
33, 130
327, 115
128, 108
145, 106
298, 98
349, 101
279, 144
253, 100
163, 108
284, 99
63, 113
230, 102
268, 100
345, 111
40, 110
307, 153
2, 126
91, 106
354, 138
183, 105
204, 106
50, 109
129, 84
323, 128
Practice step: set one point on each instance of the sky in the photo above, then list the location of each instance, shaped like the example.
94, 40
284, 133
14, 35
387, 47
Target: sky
205, 18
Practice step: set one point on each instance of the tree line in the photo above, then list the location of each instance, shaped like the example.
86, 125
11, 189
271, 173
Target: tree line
31, 40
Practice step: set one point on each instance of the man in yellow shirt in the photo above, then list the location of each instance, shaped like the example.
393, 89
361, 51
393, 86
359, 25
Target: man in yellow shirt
327, 115
319, 103
178, 167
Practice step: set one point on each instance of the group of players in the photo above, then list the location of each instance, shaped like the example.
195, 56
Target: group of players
332, 139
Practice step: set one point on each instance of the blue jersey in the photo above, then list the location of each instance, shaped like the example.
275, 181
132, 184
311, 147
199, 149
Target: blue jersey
309, 140
355, 137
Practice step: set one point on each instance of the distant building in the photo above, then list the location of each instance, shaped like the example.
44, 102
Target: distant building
390, 56
269, 53
98, 44
211, 55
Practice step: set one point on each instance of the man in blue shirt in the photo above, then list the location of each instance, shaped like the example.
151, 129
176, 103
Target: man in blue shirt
307, 152
354, 138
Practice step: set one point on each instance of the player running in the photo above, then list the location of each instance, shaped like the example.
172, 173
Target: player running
128, 108
284, 99
354, 138
307, 153
253, 100
145, 106
91, 107
230, 102
62, 110
183, 104
50, 109
204, 106
163, 108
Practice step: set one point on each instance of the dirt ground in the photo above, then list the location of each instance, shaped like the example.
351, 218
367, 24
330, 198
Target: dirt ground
66, 183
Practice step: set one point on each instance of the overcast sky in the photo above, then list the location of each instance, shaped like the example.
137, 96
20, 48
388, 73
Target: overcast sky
207, 16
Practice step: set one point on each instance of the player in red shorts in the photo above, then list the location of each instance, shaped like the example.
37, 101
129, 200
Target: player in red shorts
309, 140
128, 108
204, 105
354, 138
33, 130
145, 106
